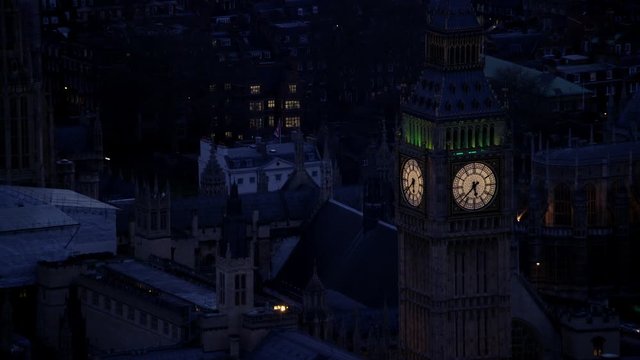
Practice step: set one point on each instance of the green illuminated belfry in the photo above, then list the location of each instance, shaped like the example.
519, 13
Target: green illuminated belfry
453, 210
452, 105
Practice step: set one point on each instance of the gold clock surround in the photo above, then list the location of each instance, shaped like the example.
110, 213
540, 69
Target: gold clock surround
474, 186
412, 182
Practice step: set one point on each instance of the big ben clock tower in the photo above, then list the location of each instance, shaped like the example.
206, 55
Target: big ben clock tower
454, 200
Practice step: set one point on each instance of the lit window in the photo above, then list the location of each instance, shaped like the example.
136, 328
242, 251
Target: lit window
272, 121
255, 89
212, 87
271, 104
293, 88
292, 121
228, 134
227, 86
255, 106
292, 104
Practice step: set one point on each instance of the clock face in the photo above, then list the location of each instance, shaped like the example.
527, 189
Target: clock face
412, 182
474, 186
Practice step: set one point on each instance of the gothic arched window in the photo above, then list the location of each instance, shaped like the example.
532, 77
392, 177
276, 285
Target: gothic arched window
562, 205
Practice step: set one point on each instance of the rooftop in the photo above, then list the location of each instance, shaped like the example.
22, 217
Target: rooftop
198, 295
33, 217
292, 345
250, 156
590, 155
41, 196
551, 85
581, 68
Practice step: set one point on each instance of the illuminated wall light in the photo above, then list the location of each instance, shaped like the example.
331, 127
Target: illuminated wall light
280, 308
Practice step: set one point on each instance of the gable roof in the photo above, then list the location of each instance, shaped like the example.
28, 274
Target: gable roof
360, 264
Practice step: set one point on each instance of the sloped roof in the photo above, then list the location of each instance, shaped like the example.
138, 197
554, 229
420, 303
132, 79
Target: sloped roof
55, 197
551, 85
361, 265
249, 156
196, 294
589, 155
27, 218
294, 344
446, 95
272, 206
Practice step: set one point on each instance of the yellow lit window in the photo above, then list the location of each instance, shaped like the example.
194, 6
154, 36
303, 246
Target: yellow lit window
293, 88
255, 89
292, 104
271, 104
255, 106
272, 121
292, 121
228, 134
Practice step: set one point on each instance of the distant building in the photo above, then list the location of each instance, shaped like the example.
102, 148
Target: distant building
260, 166
131, 306
577, 232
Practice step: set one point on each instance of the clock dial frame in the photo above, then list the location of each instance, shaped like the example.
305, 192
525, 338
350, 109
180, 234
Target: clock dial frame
474, 186
412, 184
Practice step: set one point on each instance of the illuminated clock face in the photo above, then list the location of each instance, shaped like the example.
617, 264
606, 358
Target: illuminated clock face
412, 182
474, 186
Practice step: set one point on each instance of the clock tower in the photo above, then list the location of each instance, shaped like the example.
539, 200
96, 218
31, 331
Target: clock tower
454, 212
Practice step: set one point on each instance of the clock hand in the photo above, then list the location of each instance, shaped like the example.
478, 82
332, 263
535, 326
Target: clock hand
474, 185
467, 194
413, 181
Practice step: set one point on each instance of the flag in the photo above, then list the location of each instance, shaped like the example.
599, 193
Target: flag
278, 131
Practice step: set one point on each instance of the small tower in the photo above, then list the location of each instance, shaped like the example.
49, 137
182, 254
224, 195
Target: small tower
234, 263
316, 316
153, 221
212, 181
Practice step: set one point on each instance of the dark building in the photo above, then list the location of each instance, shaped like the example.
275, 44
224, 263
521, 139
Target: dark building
454, 200
26, 126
